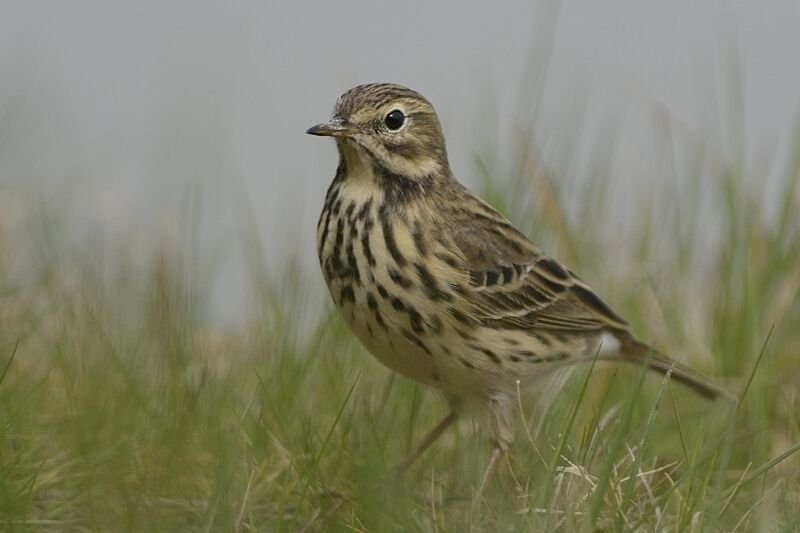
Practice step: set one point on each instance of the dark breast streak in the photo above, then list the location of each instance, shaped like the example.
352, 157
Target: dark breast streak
377, 286
337, 238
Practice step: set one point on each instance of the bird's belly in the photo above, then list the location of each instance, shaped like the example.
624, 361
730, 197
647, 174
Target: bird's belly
395, 351
385, 332
439, 353
442, 359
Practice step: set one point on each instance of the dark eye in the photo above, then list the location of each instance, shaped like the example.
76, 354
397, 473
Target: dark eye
394, 119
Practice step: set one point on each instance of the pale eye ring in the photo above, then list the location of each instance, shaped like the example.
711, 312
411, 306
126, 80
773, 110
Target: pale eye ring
394, 120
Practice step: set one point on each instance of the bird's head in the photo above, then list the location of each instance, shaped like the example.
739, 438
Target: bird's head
391, 128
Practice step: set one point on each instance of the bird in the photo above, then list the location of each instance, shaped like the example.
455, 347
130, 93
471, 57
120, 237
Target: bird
442, 288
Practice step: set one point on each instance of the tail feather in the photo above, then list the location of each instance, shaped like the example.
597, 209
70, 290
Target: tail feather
637, 352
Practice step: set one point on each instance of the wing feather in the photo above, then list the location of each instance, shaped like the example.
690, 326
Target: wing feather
513, 284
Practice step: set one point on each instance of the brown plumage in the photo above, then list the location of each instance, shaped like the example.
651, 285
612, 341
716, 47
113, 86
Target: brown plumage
437, 284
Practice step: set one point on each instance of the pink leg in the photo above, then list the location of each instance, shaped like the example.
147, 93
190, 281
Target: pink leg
429, 439
497, 453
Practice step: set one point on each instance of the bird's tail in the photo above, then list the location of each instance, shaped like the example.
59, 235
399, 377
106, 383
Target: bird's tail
638, 352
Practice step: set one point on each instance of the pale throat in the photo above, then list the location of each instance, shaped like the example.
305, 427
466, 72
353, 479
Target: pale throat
360, 182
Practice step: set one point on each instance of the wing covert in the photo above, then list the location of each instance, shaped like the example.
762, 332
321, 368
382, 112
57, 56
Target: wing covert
515, 285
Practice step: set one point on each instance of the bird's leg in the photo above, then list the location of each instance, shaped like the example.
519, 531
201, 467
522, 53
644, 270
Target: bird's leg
497, 453
502, 418
429, 439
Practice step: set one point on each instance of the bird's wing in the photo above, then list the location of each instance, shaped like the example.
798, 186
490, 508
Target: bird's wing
515, 285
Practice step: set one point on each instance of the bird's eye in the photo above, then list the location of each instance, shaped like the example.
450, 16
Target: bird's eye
394, 120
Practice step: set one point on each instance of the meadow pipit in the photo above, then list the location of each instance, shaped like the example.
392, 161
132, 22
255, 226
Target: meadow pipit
437, 284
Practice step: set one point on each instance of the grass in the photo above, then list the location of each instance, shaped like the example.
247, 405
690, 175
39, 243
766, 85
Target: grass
124, 408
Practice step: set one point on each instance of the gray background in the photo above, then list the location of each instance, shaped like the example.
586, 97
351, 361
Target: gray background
118, 110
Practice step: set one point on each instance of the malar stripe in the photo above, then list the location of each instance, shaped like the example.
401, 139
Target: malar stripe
341, 171
336, 184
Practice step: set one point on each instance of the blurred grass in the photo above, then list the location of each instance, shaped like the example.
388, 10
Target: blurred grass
123, 407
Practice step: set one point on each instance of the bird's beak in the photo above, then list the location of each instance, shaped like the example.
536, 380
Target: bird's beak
337, 127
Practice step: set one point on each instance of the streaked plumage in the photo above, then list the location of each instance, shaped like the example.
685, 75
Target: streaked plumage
437, 284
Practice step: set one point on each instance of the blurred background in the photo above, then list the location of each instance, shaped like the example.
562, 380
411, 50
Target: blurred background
170, 359
117, 112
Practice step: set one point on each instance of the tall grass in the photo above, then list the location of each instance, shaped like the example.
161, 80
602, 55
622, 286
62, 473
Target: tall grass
123, 406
